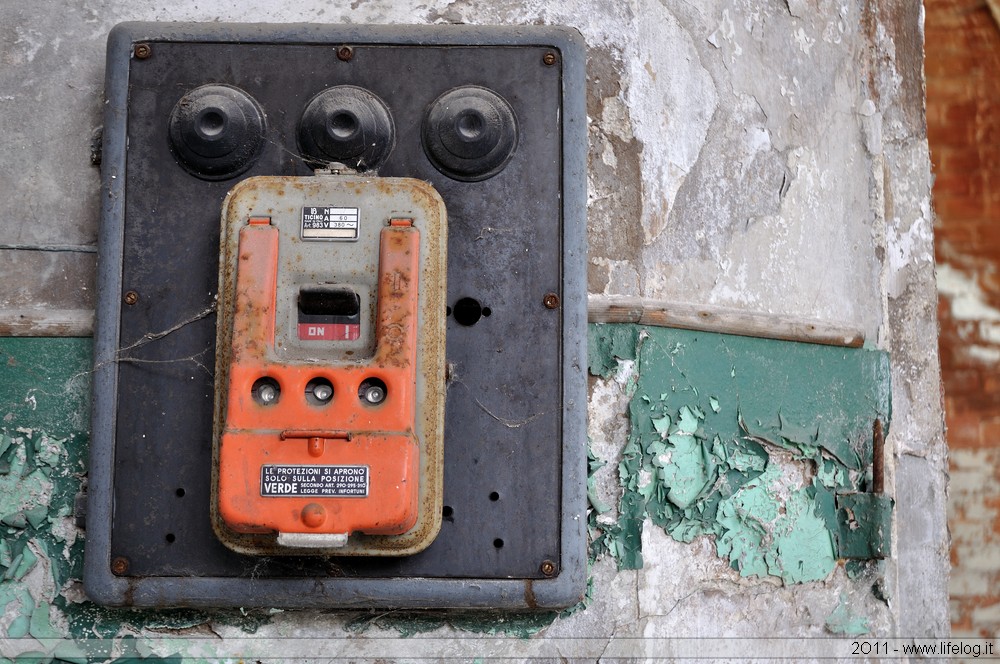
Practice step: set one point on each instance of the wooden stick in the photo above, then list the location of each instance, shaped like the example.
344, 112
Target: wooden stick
46, 322
614, 309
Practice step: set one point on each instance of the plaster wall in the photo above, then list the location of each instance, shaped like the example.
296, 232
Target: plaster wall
770, 157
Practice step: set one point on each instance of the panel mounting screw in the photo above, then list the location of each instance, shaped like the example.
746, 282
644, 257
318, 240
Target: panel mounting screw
551, 301
345, 53
549, 58
131, 297
548, 568
268, 394
374, 394
119, 565
142, 51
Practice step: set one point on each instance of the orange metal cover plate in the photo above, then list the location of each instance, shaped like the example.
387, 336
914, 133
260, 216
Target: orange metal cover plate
363, 474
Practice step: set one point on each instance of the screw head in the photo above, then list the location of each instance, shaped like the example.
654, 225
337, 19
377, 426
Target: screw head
131, 297
322, 392
374, 394
267, 394
142, 51
345, 53
551, 301
549, 59
119, 565
548, 568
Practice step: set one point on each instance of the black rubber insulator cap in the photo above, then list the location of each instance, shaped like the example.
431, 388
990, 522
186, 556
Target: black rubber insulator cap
349, 125
469, 133
216, 131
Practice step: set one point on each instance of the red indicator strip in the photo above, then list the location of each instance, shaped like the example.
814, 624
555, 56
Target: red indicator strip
328, 332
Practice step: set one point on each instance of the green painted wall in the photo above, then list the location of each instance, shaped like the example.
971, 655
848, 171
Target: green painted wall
717, 422
719, 426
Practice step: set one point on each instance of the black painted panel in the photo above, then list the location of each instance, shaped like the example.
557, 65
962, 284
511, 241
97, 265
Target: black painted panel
504, 405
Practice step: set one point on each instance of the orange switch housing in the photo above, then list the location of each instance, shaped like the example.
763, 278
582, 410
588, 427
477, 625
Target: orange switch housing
318, 455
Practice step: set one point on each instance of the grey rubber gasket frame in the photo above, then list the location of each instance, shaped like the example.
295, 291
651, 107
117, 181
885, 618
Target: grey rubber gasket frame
569, 585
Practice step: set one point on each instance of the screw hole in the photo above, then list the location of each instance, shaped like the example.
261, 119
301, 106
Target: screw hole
171, 538
494, 496
498, 543
343, 125
468, 311
487, 312
447, 511
180, 492
447, 311
211, 123
470, 125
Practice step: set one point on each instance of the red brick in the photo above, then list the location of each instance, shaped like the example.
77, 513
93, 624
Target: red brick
964, 111
956, 134
987, 235
960, 208
961, 159
962, 66
963, 428
961, 235
952, 87
991, 383
957, 184
989, 432
963, 382
958, 61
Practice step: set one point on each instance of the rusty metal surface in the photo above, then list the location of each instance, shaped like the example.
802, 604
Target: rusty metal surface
508, 513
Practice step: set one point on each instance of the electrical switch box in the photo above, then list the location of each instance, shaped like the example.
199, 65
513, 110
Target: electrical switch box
330, 352
340, 336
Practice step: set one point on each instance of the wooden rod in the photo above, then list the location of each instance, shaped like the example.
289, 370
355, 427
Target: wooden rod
706, 318
46, 322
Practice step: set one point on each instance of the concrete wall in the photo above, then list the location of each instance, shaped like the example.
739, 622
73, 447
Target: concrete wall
770, 157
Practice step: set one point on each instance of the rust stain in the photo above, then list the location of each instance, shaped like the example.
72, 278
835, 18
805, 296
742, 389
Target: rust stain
529, 594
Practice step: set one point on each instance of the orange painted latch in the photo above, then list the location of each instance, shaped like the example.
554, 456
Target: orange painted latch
329, 419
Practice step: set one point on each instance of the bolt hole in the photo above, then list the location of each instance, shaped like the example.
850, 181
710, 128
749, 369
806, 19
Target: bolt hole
180, 492
211, 123
171, 538
343, 125
498, 543
447, 511
487, 312
372, 391
265, 391
494, 496
470, 125
468, 311
319, 391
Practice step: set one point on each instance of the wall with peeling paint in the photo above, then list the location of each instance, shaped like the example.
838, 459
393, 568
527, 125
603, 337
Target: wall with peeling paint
769, 156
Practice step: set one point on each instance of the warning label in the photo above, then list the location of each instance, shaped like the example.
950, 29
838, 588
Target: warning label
330, 223
321, 481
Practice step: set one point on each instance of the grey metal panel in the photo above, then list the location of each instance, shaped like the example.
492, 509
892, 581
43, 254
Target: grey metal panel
160, 577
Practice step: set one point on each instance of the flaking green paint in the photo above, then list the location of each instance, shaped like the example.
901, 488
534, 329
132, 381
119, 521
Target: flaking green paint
712, 414
44, 406
842, 621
